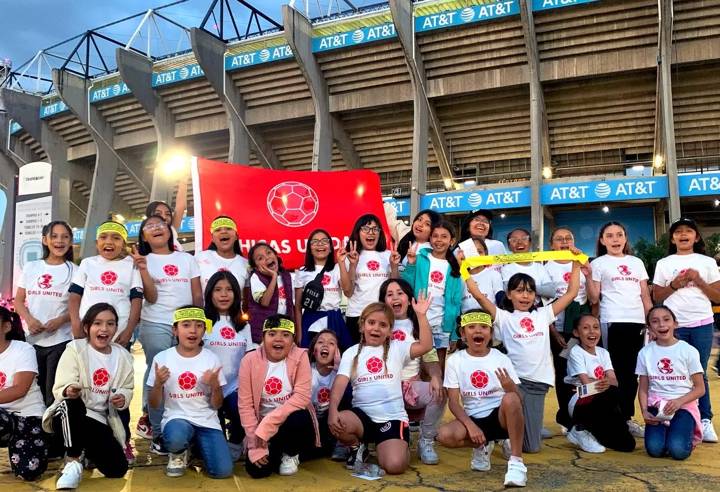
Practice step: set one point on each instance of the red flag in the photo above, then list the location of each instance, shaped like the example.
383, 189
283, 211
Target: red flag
283, 207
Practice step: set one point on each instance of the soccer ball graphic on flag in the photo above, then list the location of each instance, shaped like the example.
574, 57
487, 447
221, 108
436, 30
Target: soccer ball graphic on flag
479, 379
3, 380
323, 395
527, 325
374, 365
227, 333
108, 278
187, 381
101, 377
170, 270
292, 204
398, 335
273, 386
599, 372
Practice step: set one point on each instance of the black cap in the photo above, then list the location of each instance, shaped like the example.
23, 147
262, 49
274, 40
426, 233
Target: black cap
464, 228
684, 221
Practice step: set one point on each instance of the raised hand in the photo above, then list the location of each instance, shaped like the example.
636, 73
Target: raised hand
395, 258
508, 385
211, 377
139, 260
412, 254
162, 374
422, 304
353, 256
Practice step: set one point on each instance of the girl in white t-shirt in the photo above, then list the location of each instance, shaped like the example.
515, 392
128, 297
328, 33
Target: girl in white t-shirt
173, 218
186, 384
670, 384
619, 284
483, 397
419, 233
223, 253
42, 301
374, 369
320, 264
365, 263
478, 225
425, 400
525, 332
170, 279
520, 241
21, 402
488, 280
597, 420
688, 282
230, 340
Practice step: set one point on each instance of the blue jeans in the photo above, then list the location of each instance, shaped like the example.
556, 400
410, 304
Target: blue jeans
154, 338
180, 434
700, 337
674, 440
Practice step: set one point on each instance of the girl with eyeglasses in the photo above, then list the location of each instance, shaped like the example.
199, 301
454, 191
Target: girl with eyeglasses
520, 241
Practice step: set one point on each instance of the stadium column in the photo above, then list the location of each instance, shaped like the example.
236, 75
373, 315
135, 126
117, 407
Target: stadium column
665, 32
73, 90
24, 108
210, 55
328, 127
136, 73
8, 170
539, 134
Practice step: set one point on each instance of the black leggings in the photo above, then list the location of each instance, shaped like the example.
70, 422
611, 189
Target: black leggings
600, 415
624, 343
563, 392
353, 326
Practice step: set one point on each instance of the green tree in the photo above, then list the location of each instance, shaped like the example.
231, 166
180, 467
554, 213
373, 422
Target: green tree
651, 252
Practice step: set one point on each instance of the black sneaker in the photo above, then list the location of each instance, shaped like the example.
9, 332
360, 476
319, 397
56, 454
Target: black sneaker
157, 447
357, 453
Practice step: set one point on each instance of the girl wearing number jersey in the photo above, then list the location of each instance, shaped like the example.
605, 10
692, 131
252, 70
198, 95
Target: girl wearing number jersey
671, 381
42, 301
484, 399
365, 263
223, 253
230, 340
619, 284
275, 402
374, 369
525, 332
687, 281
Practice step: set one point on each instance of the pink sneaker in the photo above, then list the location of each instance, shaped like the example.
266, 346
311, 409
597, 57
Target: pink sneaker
129, 454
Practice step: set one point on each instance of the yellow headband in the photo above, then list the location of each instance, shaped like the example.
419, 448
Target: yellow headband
471, 318
285, 325
192, 314
222, 222
112, 227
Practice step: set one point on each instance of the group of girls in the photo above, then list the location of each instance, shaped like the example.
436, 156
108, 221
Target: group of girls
300, 380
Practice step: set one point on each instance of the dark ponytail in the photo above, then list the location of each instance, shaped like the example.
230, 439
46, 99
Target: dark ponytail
16, 330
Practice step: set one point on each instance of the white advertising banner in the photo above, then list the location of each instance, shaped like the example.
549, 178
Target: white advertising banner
34, 178
30, 217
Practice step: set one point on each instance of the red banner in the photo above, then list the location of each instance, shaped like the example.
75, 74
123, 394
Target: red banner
282, 207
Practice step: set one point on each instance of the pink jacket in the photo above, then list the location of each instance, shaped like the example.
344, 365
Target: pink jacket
251, 378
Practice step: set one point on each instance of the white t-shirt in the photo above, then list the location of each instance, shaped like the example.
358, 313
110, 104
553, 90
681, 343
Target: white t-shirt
559, 274
20, 357
277, 388
526, 336
257, 289
186, 397
108, 281
489, 282
103, 370
689, 303
377, 385
669, 369
210, 262
321, 386
403, 332
495, 247
331, 285
580, 361
171, 274
230, 347
46, 287
373, 269
620, 278
437, 278
535, 270
474, 376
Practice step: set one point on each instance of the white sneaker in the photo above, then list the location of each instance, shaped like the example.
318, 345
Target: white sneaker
71, 476
636, 429
585, 441
289, 464
481, 457
545, 433
709, 434
177, 464
516, 475
563, 430
506, 449
426, 451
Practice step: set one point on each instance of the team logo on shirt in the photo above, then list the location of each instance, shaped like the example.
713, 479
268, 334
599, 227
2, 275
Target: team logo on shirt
527, 325
664, 365
373, 265
479, 379
281, 292
227, 333
398, 335
3, 380
108, 278
374, 365
45, 281
599, 372
273, 386
171, 270
436, 277
566, 277
187, 381
323, 395
624, 270
101, 377
326, 279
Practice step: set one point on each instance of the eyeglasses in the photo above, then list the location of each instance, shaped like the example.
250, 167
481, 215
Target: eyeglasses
564, 239
154, 226
370, 230
480, 220
318, 242
521, 239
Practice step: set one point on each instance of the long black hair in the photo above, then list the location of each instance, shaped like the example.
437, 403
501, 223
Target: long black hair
355, 234
408, 290
516, 281
152, 206
235, 310
314, 341
601, 249
47, 230
236, 245
16, 330
449, 255
255, 246
144, 246
698, 246
404, 243
309, 265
